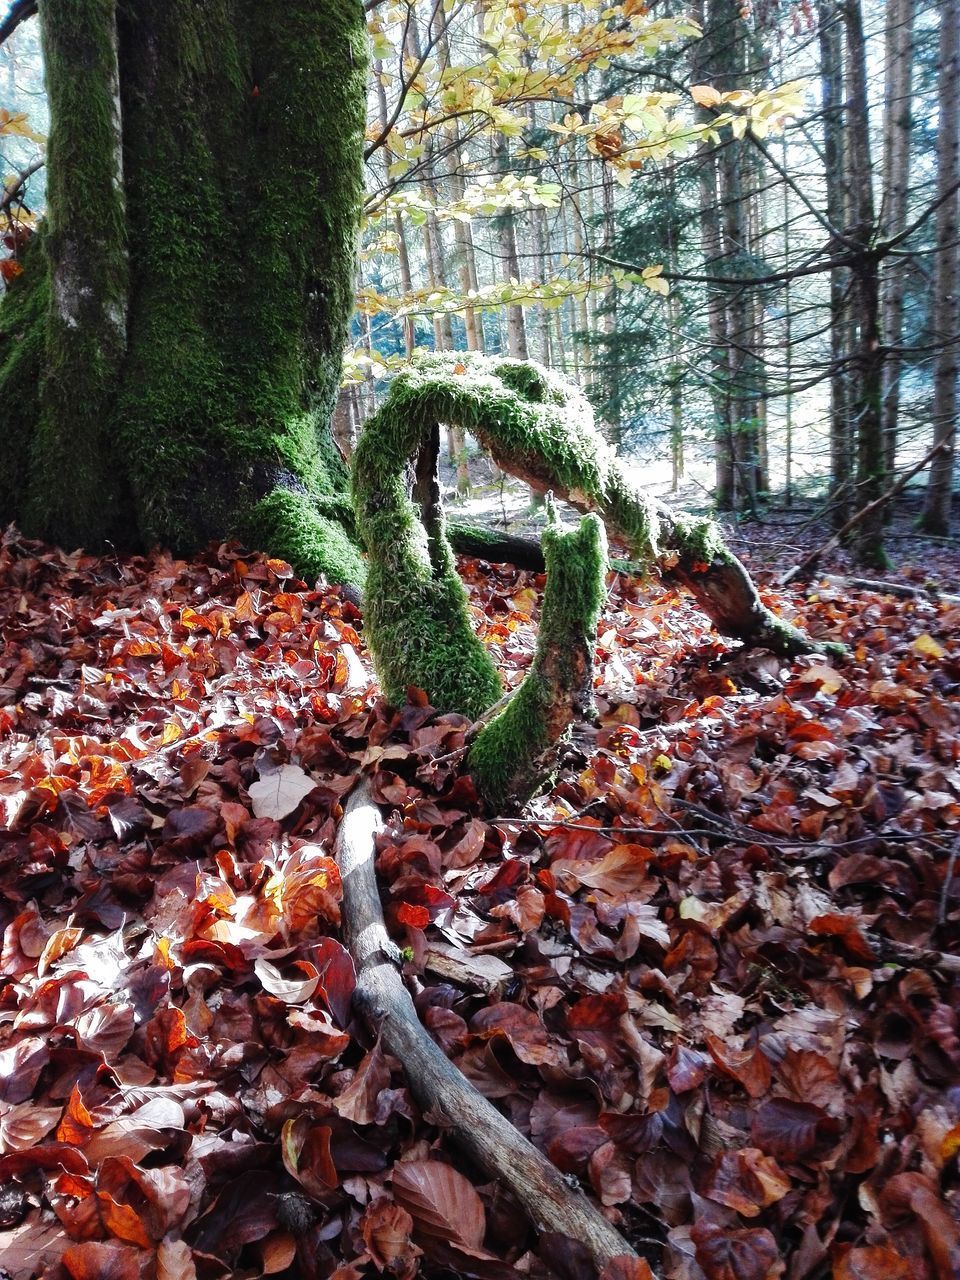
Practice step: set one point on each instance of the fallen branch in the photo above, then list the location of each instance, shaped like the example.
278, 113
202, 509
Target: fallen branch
813, 557
473, 1123
901, 589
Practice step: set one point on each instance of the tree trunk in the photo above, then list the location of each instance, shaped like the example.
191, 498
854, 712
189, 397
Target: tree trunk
946, 298
190, 298
896, 180
830, 31
867, 384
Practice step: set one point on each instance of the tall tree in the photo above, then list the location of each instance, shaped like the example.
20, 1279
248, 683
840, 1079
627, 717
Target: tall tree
178, 330
946, 299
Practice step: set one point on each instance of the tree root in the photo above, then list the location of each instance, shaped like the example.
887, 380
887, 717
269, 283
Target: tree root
516, 752
472, 1122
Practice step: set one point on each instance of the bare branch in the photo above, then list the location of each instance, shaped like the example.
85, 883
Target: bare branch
20, 10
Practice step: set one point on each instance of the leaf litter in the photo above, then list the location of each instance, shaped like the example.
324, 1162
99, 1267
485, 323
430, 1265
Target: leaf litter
708, 974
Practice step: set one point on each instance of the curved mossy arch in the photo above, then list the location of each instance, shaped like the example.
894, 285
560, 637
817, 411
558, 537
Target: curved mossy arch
538, 427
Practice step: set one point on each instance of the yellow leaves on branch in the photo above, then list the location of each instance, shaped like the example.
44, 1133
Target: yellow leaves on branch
484, 197
15, 123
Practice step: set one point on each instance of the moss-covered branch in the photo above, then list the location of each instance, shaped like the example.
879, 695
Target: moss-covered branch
416, 615
516, 752
539, 427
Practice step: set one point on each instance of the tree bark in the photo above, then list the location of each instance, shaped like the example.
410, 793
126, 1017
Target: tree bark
830, 34
867, 384
199, 295
896, 171
946, 285
73, 490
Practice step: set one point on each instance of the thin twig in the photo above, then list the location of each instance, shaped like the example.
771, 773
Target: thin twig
947, 883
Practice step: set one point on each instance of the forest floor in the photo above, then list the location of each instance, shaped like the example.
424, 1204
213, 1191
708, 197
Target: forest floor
709, 974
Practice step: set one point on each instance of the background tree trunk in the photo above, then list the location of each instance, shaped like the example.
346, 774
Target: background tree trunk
946, 298
196, 399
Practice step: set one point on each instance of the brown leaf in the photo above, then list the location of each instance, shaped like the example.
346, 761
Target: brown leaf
305, 1149
736, 1255
750, 1067
443, 1204
746, 1181
810, 1077
175, 1261
278, 794
24, 1125
94, 1260
626, 1268
386, 1229
686, 1068
623, 870
791, 1131
291, 990
847, 931
523, 1030
871, 1263
358, 1102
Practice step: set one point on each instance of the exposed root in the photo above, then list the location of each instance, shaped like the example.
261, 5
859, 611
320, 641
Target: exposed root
516, 752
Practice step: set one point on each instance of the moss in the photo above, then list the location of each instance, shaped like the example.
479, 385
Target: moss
75, 491
514, 754
698, 538
416, 616
23, 333
635, 516
244, 207
290, 525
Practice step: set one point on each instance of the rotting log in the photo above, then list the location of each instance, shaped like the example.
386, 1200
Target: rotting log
538, 427
516, 752
472, 1123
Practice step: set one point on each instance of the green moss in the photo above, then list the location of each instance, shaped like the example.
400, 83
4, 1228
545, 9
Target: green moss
23, 334
416, 615
76, 492
635, 515
289, 525
244, 207
515, 753
698, 538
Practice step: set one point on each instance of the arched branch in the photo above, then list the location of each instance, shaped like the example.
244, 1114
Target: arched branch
540, 429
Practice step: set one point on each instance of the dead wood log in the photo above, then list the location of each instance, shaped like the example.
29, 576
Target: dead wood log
498, 548
476, 1127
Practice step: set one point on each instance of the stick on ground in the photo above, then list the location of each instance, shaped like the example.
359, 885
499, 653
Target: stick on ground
475, 1126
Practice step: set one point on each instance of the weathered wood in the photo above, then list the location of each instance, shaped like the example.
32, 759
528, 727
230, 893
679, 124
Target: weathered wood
476, 1127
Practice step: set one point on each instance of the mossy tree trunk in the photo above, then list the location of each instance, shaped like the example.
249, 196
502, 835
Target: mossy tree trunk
174, 343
